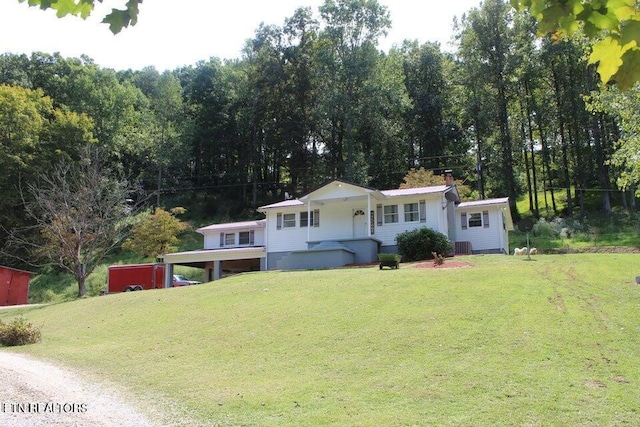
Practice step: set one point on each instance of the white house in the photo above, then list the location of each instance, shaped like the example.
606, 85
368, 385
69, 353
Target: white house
343, 223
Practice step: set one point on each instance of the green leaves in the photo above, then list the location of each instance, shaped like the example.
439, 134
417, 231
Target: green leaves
117, 19
608, 54
613, 26
69, 7
629, 72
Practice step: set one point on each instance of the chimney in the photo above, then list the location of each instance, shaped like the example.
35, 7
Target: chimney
448, 177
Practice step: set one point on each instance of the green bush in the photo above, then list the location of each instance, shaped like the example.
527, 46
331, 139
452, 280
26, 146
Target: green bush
18, 332
416, 245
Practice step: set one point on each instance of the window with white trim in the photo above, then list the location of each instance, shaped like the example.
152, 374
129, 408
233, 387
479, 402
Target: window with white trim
245, 238
411, 213
305, 219
390, 214
229, 239
289, 220
475, 220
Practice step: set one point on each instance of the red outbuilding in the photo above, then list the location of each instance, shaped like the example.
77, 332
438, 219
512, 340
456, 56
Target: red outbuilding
14, 286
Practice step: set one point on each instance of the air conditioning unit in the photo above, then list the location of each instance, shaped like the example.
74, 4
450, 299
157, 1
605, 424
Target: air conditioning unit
463, 248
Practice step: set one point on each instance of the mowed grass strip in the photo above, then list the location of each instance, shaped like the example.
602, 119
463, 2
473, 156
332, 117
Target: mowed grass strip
505, 341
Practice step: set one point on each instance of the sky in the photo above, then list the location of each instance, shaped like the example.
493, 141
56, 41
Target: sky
168, 36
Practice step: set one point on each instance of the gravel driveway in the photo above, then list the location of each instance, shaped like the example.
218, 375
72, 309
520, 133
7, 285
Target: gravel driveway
34, 393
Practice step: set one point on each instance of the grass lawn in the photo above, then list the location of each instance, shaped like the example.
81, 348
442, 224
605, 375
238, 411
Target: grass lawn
554, 341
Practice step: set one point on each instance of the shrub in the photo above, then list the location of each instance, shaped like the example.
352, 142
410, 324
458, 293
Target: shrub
416, 245
18, 332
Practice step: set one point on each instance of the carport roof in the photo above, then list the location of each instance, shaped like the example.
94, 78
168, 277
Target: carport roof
233, 226
210, 255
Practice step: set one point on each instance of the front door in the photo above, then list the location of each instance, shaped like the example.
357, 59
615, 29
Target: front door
359, 223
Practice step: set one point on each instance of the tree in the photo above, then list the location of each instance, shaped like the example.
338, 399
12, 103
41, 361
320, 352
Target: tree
422, 177
163, 125
117, 19
301, 32
157, 234
612, 25
487, 54
33, 136
625, 106
348, 56
424, 79
81, 212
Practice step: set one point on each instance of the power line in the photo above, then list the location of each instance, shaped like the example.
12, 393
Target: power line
601, 190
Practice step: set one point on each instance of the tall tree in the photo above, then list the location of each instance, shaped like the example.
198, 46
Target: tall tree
80, 213
425, 83
348, 57
207, 101
487, 43
625, 106
164, 124
33, 136
301, 34
387, 144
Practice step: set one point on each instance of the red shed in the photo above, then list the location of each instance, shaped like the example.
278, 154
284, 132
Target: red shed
14, 286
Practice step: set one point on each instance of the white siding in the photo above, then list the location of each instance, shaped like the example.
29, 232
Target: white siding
337, 191
481, 238
436, 219
286, 239
212, 238
336, 222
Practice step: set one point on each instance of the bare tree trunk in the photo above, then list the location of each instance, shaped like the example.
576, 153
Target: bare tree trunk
603, 170
82, 286
536, 210
525, 154
546, 172
578, 184
479, 166
567, 176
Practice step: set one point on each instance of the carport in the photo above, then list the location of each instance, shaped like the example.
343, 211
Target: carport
213, 261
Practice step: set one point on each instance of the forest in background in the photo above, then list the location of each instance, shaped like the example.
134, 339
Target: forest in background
315, 99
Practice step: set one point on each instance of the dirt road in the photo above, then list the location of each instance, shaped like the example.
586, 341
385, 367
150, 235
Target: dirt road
34, 393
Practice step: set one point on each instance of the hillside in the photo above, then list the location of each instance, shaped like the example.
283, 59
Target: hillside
503, 341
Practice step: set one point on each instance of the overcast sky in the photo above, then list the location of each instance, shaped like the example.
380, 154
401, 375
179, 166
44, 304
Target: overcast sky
171, 33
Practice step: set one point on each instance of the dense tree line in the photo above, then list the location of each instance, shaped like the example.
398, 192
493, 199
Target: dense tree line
315, 99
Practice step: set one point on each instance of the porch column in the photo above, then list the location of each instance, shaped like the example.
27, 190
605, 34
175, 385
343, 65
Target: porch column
168, 275
369, 214
208, 271
309, 223
217, 270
